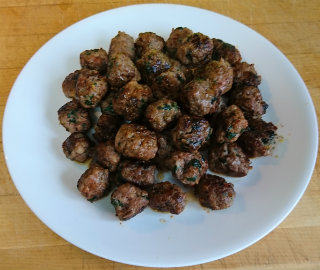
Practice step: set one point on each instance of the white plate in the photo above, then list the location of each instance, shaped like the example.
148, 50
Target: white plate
46, 180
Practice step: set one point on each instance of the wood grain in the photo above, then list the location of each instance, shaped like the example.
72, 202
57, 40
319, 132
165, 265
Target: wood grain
293, 26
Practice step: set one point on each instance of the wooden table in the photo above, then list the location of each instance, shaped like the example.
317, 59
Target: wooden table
293, 26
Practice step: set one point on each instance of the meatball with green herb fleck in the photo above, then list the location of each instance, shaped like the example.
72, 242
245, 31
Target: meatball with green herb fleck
94, 183
129, 200
214, 192
176, 38
106, 104
74, 118
196, 49
148, 41
191, 133
91, 88
230, 125
228, 159
121, 70
258, 140
162, 113
167, 197
96, 59
122, 43
136, 141
188, 167
132, 100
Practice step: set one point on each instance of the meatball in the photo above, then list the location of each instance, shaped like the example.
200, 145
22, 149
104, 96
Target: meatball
106, 127
132, 100
94, 183
91, 88
152, 63
221, 74
245, 74
74, 118
250, 101
165, 148
105, 155
226, 51
176, 38
122, 43
258, 140
69, 84
191, 133
214, 192
169, 82
129, 200
195, 49
96, 59
231, 125
121, 70
161, 113
167, 197
106, 104
229, 159
148, 41
76, 147
136, 141
188, 167
199, 97
138, 173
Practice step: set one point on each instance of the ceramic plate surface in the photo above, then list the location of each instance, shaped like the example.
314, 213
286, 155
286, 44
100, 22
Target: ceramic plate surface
46, 180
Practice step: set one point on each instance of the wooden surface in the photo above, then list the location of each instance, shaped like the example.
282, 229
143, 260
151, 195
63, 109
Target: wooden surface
293, 26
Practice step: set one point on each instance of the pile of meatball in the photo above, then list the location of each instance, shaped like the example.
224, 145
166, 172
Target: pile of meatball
182, 105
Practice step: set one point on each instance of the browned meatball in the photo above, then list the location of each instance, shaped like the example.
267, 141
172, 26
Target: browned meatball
176, 38
226, 51
122, 43
69, 84
249, 100
167, 197
74, 118
191, 133
152, 63
129, 200
161, 113
91, 88
136, 141
188, 167
106, 155
165, 148
106, 104
214, 192
231, 125
76, 147
131, 100
121, 70
259, 139
148, 41
199, 97
96, 59
138, 173
228, 159
245, 74
106, 127
169, 82
195, 49
221, 74
94, 183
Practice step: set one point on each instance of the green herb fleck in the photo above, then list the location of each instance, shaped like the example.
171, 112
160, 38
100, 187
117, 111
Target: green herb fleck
88, 101
213, 100
195, 163
191, 179
94, 198
116, 203
175, 169
231, 135
180, 78
108, 108
165, 107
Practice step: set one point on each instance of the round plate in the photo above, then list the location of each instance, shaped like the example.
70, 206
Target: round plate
46, 180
